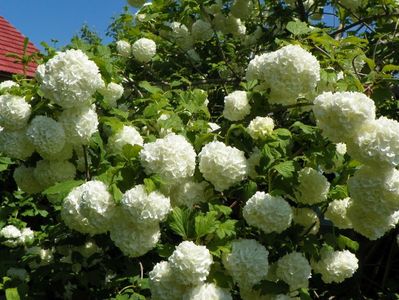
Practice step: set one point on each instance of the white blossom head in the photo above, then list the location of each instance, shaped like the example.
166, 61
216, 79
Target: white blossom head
260, 127
236, 106
308, 219
50, 172
188, 193
222, 165
268, 213
11, 234
172, 157
71, 78
88, 208
207, 291
337, 213
248, 262
201, 30
7, 84
123, 48
112, 93
190, 263
341, 114
313, 187
14, 112
15, 144
26, 181
294, 269
128, 135
144, 50
242, 8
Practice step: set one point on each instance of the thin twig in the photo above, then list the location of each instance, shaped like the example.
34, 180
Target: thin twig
87, 170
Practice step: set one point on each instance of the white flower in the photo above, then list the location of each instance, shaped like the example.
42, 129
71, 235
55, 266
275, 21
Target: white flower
163, 285
25, 180
127, 136
294, 269
65, 153
313, 187
79, 124
376, 187
144, 50
181, 35
340, 148
337, 213
8, 84
136, 3
15, 144
222, 165
46, 256
307, 218
88, 208
71, 78
242, 8
260, 127
49, 172
236, 106
234, 26
14, 112
371, 221
268, 213
124, 48
213, 127
289, 72
376, 143
46, 134
190, 264
340, 115
145, 208
18, 273
40, 71
248, 262
201, 31
12, 235
207, 291
27, 236
172, 157
132, 239
335, 266
112, 93
188, 193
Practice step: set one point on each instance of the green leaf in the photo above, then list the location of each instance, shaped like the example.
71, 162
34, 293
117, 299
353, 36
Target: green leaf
149, 184
389, 68
12, 294
270, 287
205, 224
115, 192
304, 294
285, 169
298, 27
62, 188
226, 229
4, 163
131, 151
344, 242
181, 221
221, 209
150, 88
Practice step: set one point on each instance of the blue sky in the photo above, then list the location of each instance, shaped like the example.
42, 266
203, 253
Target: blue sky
43, 20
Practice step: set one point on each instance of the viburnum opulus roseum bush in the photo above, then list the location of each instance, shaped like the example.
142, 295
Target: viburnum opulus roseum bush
214, 150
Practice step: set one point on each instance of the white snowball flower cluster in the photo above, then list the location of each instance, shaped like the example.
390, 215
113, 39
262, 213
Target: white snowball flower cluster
340, 115
242, 8
268, 213
112, 93
313, 187
40, 71
188, 193
15, 237
260, 127
236, 106
289, 73
222, 165
145, 208
207, 291
337, 213
375, 201
7, 84
144, 50
26, 181
294, 269
190, 263
49, 172
88, 208
46, 256
46, 134
248, 262
336, 266
14, 112
66, 153
377, 143
307, 218
123, 48
71, 78
131, 239
341, 148
163, 285
79, 124
15, 144
127, 136
234, 26
181, 35
201, 31
172, 157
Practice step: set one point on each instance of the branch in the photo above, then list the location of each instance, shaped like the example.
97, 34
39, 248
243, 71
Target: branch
301, 11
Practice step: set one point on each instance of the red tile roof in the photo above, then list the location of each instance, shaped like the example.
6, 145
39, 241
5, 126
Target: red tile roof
12, 41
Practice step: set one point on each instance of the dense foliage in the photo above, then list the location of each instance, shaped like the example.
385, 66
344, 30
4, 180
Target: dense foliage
215, 149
